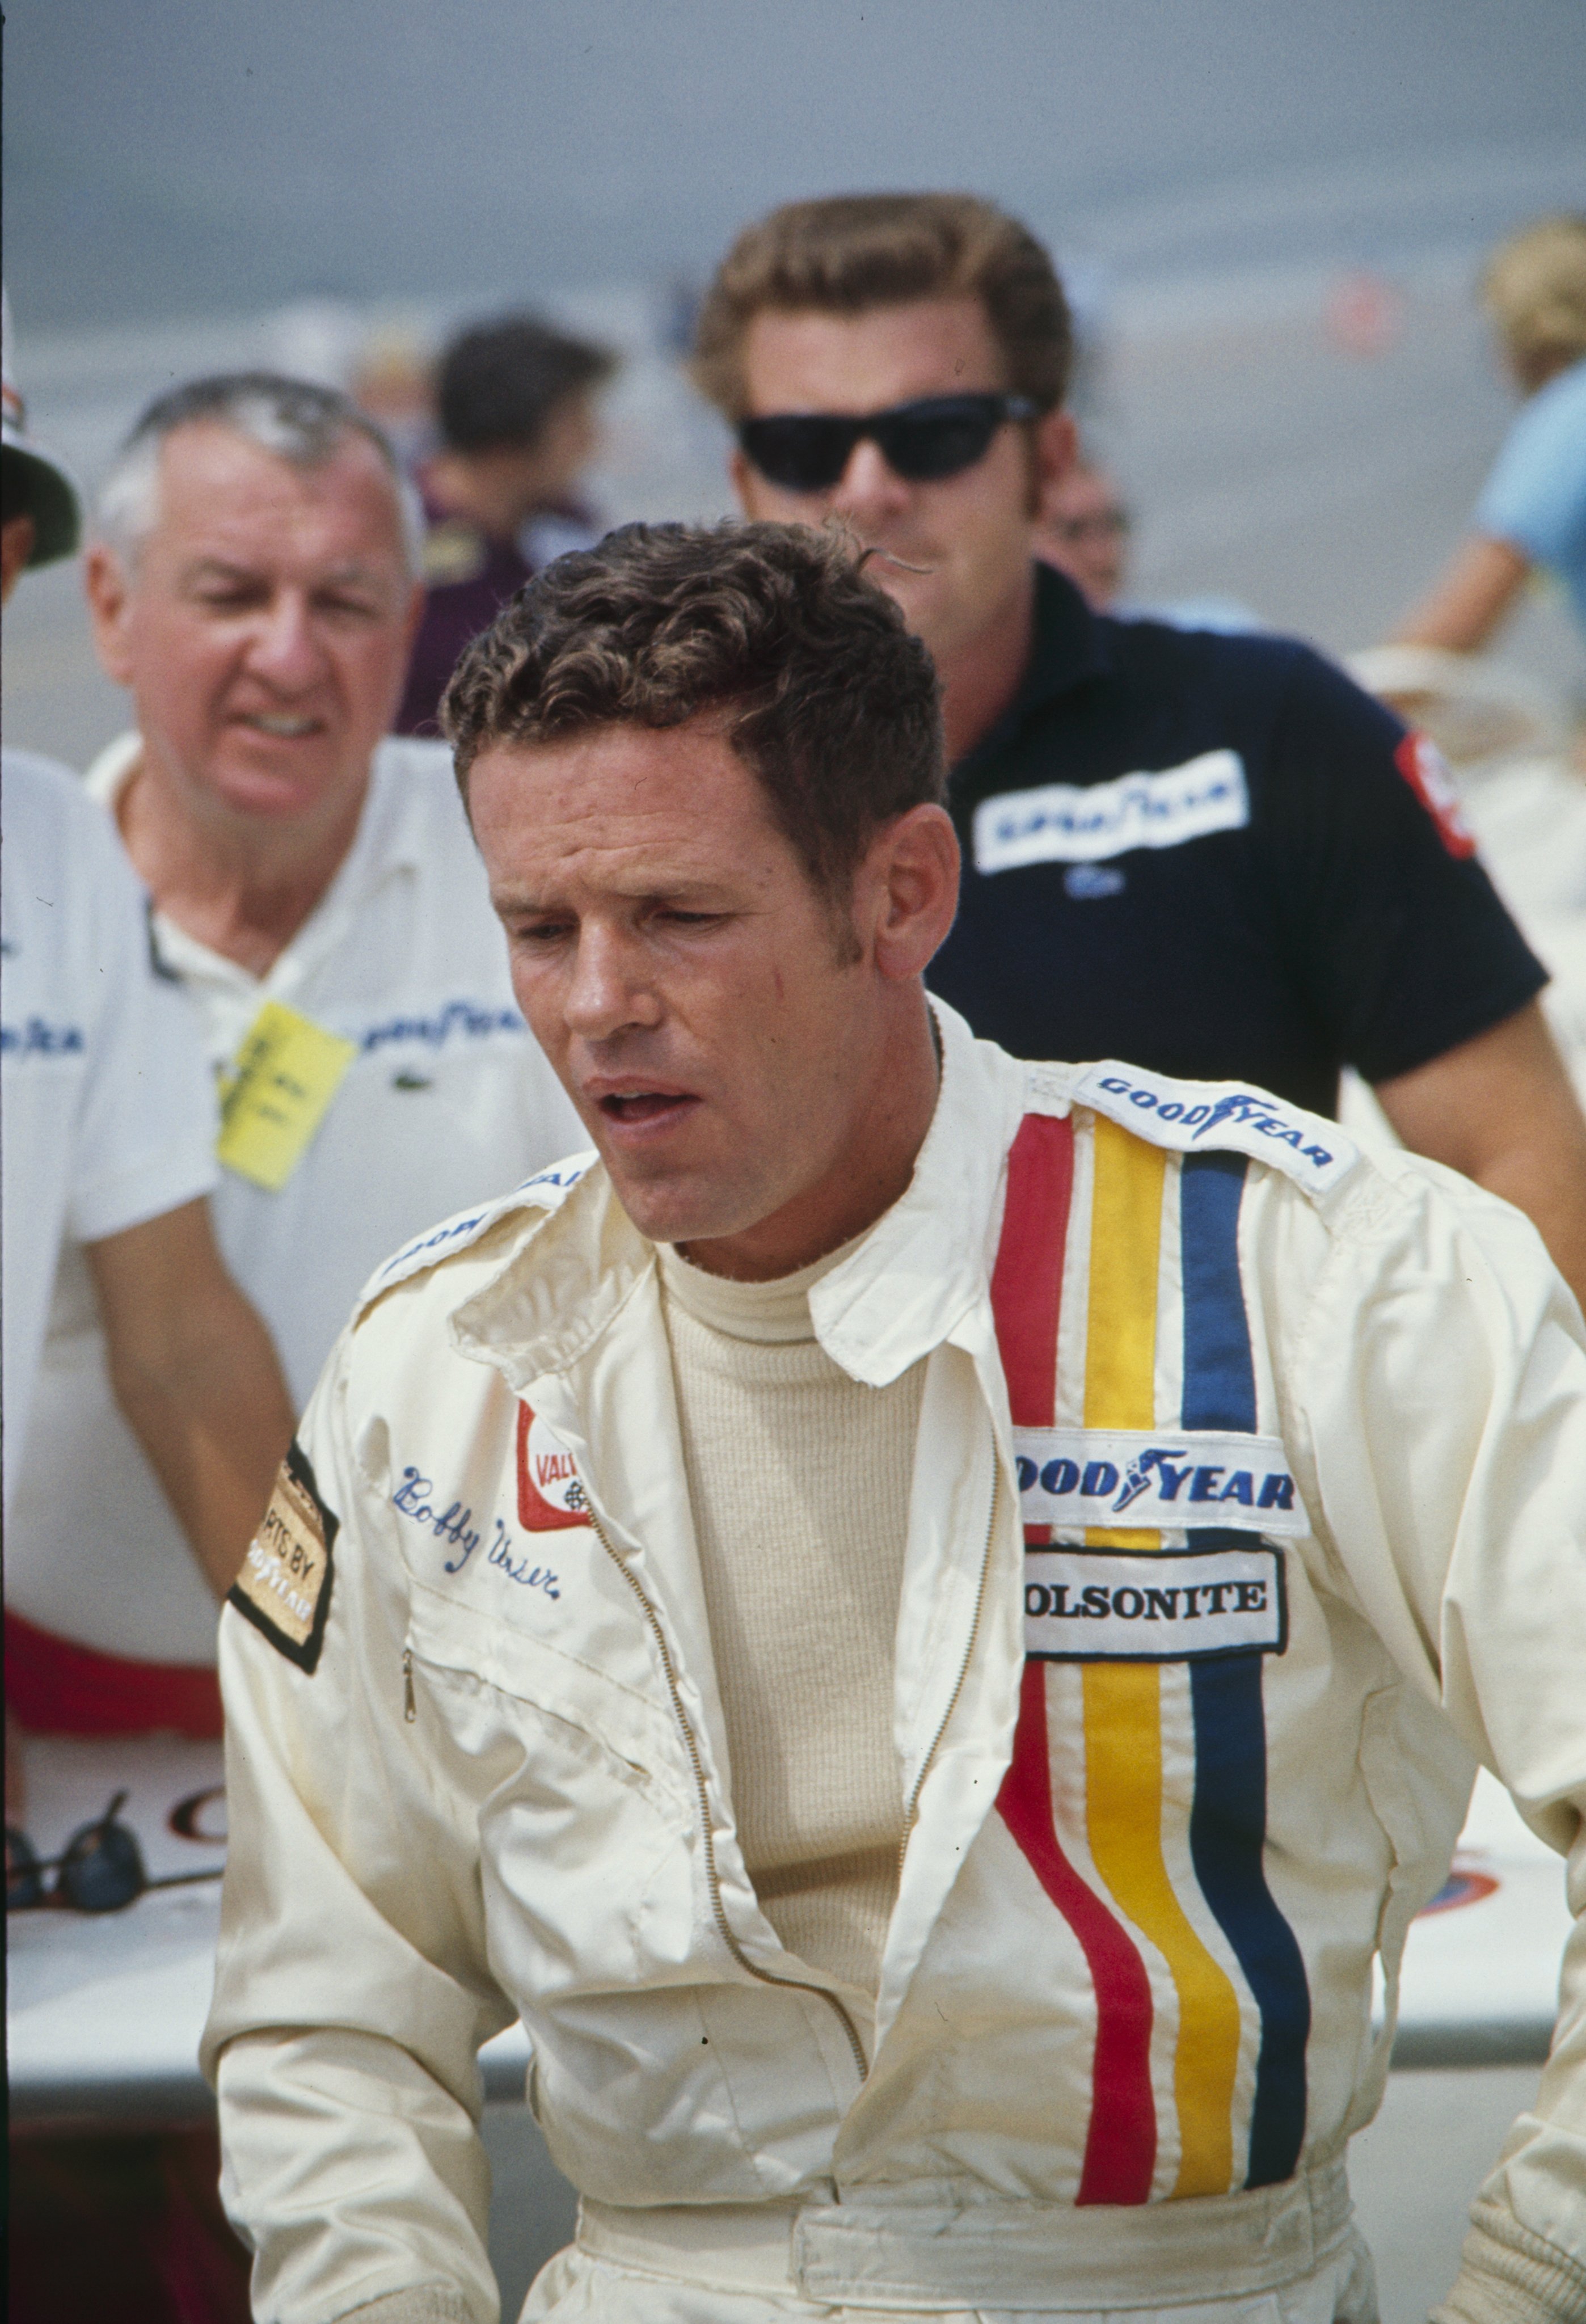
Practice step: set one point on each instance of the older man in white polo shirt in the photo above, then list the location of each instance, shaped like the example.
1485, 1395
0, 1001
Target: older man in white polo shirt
318, 893
108, 1131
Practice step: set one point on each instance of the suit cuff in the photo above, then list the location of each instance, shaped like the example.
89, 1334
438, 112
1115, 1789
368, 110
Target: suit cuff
1507, 2275
426, 2303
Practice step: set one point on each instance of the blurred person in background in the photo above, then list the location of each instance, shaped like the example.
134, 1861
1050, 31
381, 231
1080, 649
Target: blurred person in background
107, 1118
1506, 741
109, 1133
1531, 513
1212, 855
393, 384
1083, 531
318, 897
515, 410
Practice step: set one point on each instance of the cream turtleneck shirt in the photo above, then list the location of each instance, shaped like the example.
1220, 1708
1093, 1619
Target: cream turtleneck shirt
799, 1478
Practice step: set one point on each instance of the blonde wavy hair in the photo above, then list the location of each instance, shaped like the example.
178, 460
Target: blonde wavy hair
1534, 287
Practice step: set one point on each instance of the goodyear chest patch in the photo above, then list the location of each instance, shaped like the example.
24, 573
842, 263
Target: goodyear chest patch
285, 1586
1173, 1479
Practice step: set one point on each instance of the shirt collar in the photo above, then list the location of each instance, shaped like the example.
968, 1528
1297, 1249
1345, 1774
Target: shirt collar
1068, 644
902, 1290
390, 838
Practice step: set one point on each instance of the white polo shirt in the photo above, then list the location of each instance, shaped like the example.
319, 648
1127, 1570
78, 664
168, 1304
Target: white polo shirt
108, 1112
447, 1099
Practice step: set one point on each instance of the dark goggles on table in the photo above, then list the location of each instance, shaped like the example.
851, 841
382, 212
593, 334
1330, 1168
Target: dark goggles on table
100, 1870
940, 436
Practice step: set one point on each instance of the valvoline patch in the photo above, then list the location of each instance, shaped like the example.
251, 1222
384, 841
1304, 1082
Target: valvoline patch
549, 1494
1425, 769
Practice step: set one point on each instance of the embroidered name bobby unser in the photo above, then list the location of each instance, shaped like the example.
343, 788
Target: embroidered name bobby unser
1167, 1478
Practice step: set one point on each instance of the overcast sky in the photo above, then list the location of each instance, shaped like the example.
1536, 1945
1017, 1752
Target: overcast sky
180, 157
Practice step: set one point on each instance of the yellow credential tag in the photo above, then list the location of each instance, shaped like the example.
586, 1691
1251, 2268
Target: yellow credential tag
275, 1097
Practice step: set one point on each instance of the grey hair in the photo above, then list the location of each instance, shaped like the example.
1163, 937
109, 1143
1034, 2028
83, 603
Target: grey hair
292, 418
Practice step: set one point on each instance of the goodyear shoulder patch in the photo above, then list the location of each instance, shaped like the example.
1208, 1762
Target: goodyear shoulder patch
560, 1178
545, 1191
1189, 1116
285, 1586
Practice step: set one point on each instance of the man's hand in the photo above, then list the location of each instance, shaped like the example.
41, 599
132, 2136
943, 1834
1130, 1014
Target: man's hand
194, 1371
1501, 1109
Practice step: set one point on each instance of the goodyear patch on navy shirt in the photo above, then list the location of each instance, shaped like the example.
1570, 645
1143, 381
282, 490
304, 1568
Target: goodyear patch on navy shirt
285, 1586
1087, 823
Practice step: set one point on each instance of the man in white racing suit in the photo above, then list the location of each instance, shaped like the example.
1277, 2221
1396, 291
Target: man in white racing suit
920, 1618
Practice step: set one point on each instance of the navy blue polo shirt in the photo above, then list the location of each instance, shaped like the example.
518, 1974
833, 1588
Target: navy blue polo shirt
1216, 857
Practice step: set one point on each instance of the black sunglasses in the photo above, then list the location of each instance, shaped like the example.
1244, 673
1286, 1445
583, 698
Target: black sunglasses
100, 1870
940, 436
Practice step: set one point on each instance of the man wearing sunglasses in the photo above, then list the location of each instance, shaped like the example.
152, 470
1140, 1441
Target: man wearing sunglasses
1211, 854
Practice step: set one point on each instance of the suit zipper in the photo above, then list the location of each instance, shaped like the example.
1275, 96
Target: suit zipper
763, 1976
911, 1813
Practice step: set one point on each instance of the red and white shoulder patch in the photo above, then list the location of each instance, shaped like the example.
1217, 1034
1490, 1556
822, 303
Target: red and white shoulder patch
1425, 769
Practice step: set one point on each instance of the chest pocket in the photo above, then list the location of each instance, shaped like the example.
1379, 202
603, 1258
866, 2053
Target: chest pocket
585, 1823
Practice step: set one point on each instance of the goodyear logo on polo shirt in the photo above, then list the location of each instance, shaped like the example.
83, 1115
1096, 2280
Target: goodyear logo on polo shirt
1074, 1478
1085, 822
38, 1039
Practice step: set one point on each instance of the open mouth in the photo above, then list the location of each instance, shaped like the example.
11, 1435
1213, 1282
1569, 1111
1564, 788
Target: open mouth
634, 1108
279, 727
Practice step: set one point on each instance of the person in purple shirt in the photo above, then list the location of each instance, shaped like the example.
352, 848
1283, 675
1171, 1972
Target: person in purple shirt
518, 428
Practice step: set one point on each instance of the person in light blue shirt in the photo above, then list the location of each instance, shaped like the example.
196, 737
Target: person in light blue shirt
1534, 499
1532, 512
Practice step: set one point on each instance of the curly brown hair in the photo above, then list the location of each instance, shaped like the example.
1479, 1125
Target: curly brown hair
829, 701
849, 253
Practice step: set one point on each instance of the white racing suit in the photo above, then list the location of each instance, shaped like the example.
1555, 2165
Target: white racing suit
1247, 1514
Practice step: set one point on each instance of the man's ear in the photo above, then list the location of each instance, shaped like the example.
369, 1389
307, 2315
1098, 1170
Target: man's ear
1053, 448
109, 596
913, 875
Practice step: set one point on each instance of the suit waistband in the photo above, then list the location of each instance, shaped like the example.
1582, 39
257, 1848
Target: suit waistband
950, 2254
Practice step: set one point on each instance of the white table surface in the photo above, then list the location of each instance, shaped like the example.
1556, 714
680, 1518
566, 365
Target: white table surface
104, 2014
